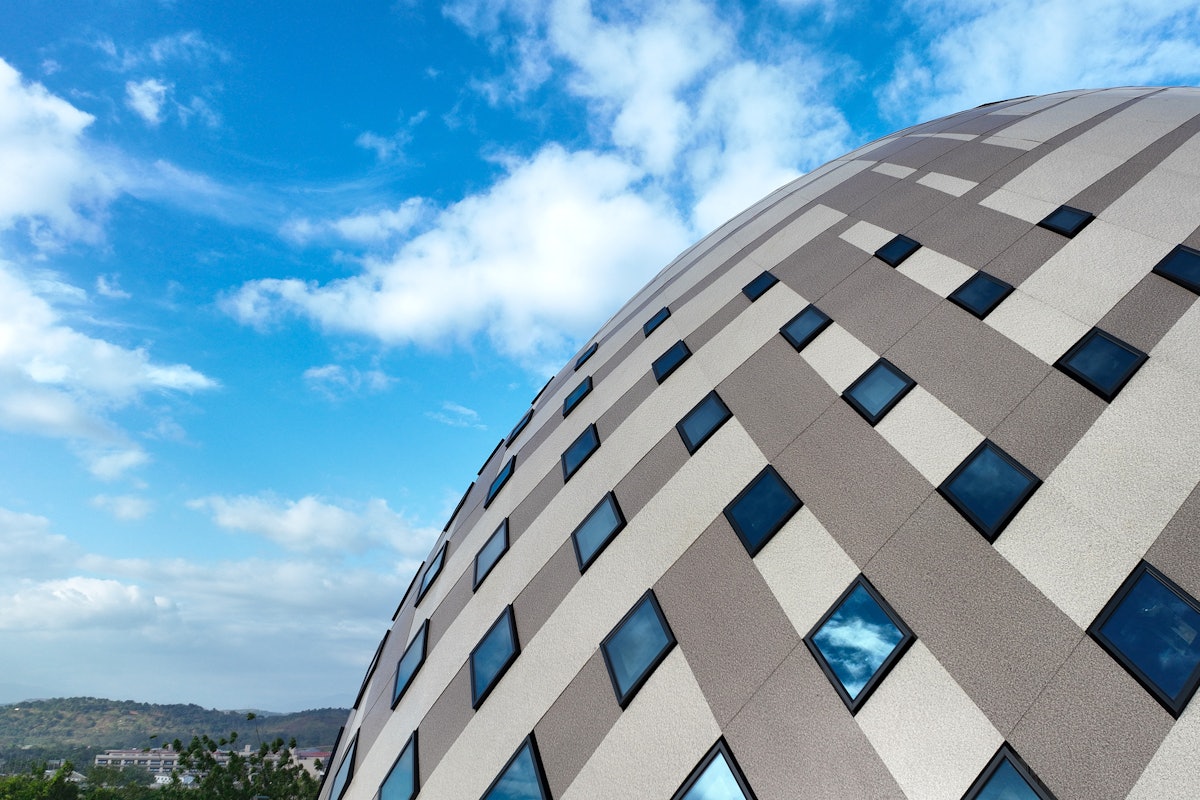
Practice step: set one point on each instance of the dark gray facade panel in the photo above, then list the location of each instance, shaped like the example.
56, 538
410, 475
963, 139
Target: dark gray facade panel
571, 730
817, 267
451, 604
629, 402
651, 473
902, 207
1025, 256
1176, 551
924, 150
534, 503
542, 595
975, 161
444, 722
725, 618
1144, 316
711, 327
859, 189
879, 305
970, 233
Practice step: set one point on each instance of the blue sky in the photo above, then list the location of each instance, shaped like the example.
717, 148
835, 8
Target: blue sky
275, 277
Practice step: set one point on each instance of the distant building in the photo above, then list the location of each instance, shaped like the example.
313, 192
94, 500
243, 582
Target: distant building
156, 760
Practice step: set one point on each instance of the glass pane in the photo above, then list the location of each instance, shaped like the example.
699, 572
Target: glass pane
804, 326
857, 639
1006, 784
520, 426
586, 354
981, 293
595, 531
580, 392
633, 647
1157, 631
895, 251
579, 451
342, 779
410, 662
520, 780
491, 656
653, 323
1066, 220
1183, 266
491, 551
1104, 362
500, 480
758, 287
668, 361
705, 418
878, 387
715, 783
762, 509
401, 782
989, 487
432, 573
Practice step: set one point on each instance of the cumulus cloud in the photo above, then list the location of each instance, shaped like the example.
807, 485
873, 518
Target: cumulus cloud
991, 51
125, 507
146, 98
335, 381
78, 602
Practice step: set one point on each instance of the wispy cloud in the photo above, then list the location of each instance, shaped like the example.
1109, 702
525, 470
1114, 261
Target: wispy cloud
372, 227
107, 286
336, 382
146, 99
457, 416
125, 507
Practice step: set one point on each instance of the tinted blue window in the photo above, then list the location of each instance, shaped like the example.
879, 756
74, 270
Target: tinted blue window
988, 488
758, 287
492, 656
658, 319
1067, 221
1151, 627
894, 252
805, 326
980, 294
578, 393
665, 364
878, 390
591, 351
401, 782
410, 662
702, 421
716, 779
521, 779
761, 509
580, 451
597, 530
520, 426
636, 646
1006, 784
501, 479
857, 641
435, 568
1102, 362
1182, 265
489, 554
341, 780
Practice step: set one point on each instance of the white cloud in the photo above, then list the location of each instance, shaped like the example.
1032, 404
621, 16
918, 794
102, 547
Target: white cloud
77, 602
335, 381
107, 286
124, 507
29, 548
457, 416
995, 50
311, 523
365, 228
146, 99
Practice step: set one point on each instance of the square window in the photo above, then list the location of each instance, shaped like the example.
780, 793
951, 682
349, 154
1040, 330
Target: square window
667, 363
401, 780
591, 351
490, 553
1181, 265
435, 568
577, 394
761, 509
1102, 362
492, 657
980, 294
580, 451
520, 426
522, 777
703, 421
1066, 221
598, 528
658, 319
345, 773
716, 777
1152, 628
636, 646
410, 663
894, 252
501, 479
758, 287
1007, 777
858, 641
805, 326
878, 390
988, 488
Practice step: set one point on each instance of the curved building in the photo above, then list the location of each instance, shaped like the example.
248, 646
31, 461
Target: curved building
885, 489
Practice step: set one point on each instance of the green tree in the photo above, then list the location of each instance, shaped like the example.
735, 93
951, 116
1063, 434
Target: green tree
268, 772
37, 785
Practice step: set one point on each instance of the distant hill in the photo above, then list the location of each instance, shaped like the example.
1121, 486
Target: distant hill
89, 722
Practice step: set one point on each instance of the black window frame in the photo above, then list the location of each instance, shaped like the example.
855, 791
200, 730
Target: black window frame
991, 533
477, 579
1063, 363
362, 689
721, 748
416, 763
487, 461
530, 742
399, 691
520, 426
895, 259
501, 480
506, 616
624, 699
776, 526
693, 446
462, 500
348, 759
588, 353
411, 585
595, 434
1175, 706
980, 275
1007, 753
1072, 230
432, 572
609, 497
660, 316
906, 641
761, 284
576, 395
853, 402
800, 344
677, 359
1177, 250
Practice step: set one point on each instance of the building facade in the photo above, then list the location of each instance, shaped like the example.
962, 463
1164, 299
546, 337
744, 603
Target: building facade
885, 489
